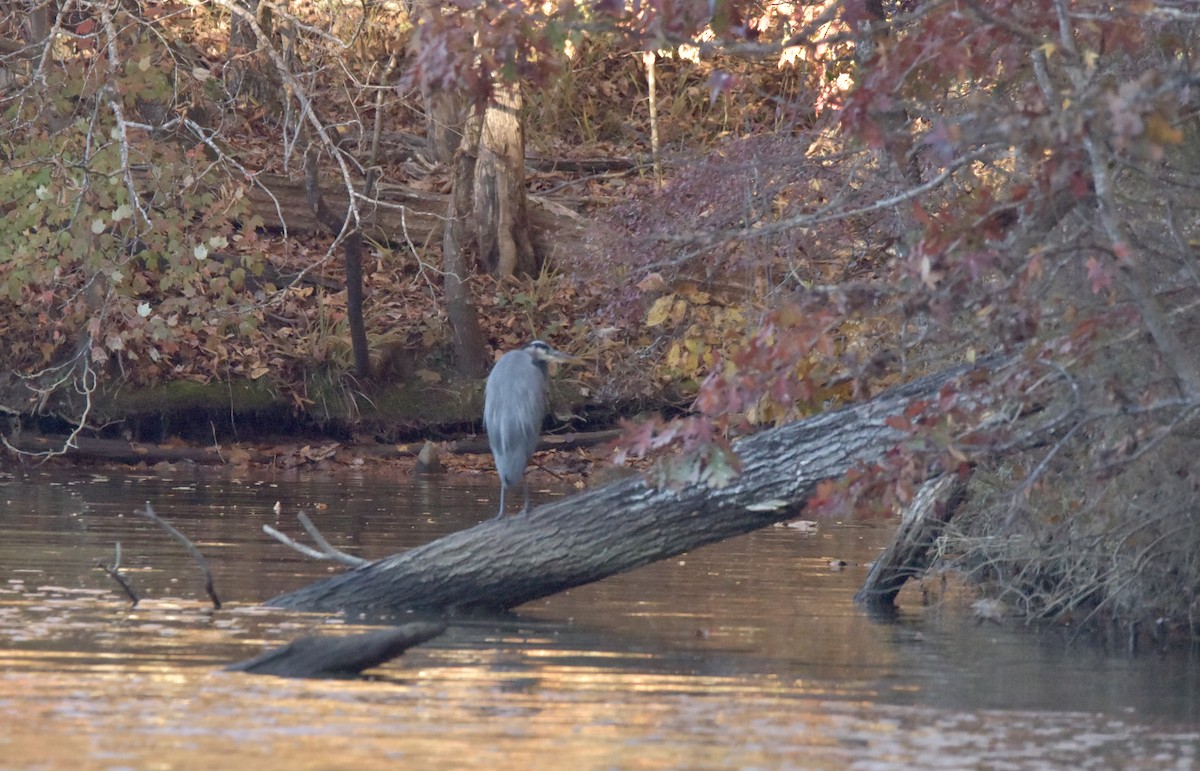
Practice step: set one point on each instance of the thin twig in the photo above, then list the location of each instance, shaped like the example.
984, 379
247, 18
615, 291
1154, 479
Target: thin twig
830, 211
148, 512
85, 386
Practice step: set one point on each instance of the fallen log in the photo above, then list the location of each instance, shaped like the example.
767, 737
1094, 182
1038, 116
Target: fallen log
400, 146
505, 562
404, 214
907, 556
123, 451
344, 656
478, 445
126, 451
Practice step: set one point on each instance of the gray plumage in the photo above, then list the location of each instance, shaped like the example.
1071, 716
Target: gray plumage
514, 406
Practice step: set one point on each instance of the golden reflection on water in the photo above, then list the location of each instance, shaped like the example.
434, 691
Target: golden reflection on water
443, 709
749, 654
445, 713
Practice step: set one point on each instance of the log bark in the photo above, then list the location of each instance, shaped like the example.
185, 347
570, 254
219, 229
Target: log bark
506, 562
907, 556
344, 656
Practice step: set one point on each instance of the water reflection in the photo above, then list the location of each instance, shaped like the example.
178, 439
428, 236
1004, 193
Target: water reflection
748, 653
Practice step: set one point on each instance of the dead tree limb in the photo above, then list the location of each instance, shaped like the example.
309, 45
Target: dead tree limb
907, 556
114, 572
505, 562
344, 656
149, 514
326, 550
122, 451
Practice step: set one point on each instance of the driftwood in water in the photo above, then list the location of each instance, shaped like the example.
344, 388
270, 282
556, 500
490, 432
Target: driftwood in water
580, 439
344, 656
120, 450
505, 562
907, 556
125, 451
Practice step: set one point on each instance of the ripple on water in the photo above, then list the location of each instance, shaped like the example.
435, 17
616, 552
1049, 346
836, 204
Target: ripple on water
747, 654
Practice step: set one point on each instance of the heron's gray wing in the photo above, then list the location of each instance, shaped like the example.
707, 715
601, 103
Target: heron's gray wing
514, 407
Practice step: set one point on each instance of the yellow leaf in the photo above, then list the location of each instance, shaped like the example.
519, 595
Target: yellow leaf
259, 371
1161, 131
679, 311
674, 355
660, 311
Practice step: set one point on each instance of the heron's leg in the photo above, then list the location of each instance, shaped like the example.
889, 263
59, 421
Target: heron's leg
525, 484
501, 512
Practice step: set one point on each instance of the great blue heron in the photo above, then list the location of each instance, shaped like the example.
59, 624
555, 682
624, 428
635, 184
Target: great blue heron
514, 406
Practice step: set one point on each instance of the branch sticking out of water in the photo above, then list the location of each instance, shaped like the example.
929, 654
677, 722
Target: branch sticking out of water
148, 512
326, 552
114, 571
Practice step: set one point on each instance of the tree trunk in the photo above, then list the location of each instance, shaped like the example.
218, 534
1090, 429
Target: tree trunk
507, 561
501, 214
470, 355
445, 111
443, 122
352, 248
248, 70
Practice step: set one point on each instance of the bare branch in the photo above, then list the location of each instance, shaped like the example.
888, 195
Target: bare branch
326, 551
828, 213
114, 572
148, 512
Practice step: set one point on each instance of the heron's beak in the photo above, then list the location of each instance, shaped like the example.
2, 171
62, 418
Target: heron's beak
558, 356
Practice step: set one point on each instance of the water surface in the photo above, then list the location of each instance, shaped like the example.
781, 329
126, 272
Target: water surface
744, 654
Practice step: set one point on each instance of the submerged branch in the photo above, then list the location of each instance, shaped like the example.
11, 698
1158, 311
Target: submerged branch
340, 656
148, 512
114, 572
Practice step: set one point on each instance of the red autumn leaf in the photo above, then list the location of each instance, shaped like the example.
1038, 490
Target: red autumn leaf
1099, 277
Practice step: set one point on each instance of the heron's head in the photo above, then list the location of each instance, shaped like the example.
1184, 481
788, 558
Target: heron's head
543, 353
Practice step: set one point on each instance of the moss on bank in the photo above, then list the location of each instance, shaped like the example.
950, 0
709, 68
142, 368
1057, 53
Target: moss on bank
248, 408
